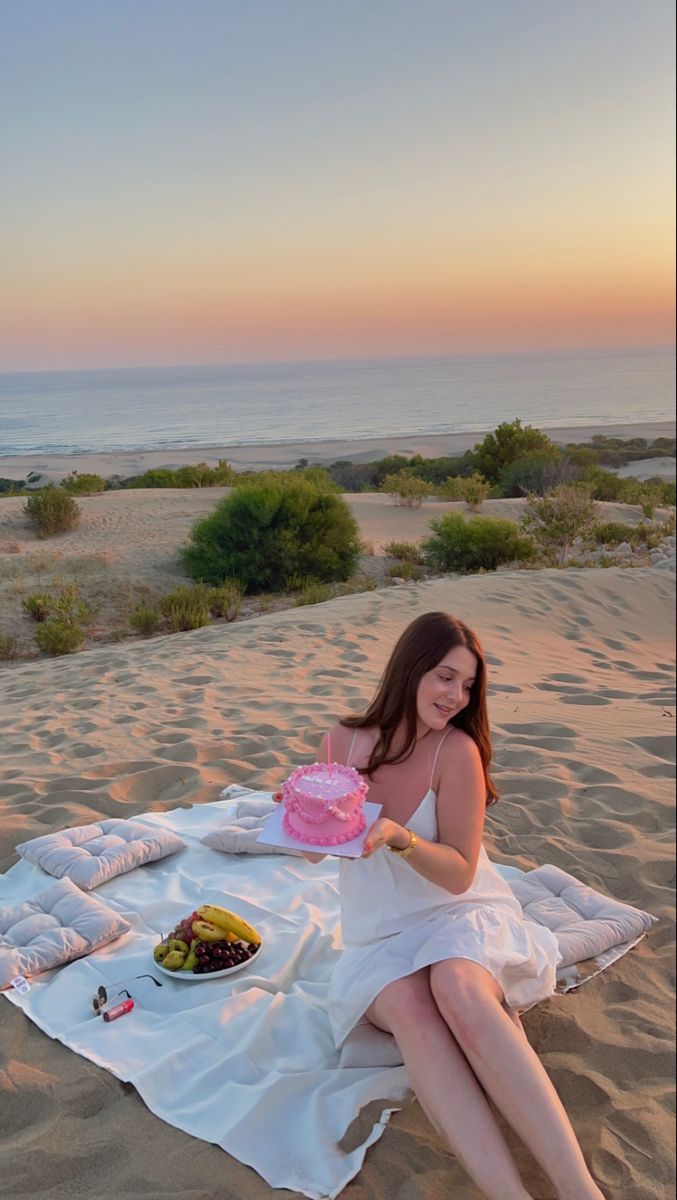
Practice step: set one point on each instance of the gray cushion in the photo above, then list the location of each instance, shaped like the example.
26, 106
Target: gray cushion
60, 924
92, 854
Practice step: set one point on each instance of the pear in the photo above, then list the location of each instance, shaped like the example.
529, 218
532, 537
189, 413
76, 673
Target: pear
178, 944
160, 952
174, 960
191, 958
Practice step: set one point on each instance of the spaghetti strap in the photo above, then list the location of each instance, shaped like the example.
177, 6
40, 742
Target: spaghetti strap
439, 745
352, 746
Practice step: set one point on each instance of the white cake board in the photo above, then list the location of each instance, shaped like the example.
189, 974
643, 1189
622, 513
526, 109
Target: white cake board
273, 834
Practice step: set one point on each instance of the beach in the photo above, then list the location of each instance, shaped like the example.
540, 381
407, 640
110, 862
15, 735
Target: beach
582, 708
583, 717
283, 455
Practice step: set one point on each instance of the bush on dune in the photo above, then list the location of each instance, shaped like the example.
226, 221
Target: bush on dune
186, 608
505, 445
270, 529
480, 543
406, 488
52, 511
538, 474
555, 520
83, 485
472, 489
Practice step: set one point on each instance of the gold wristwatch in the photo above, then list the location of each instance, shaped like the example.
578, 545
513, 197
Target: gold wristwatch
405, 851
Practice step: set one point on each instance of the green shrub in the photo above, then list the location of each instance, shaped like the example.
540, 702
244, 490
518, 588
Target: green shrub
69, 607
555, 520
272, 529
145, 620
65, 605
473, 489
52, 511
186, 608
192, 475
404, 570
315, 593
59, 636
538, 474
38, 606
83, 485
406, 489
604, 485
199, 475
476, 544
505, 445
612, 533
7, 647
668, 490
405, 551
225, 600
11, 487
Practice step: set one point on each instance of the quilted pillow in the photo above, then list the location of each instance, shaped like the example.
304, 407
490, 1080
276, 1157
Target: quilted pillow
58, 925
584, 921
93, 854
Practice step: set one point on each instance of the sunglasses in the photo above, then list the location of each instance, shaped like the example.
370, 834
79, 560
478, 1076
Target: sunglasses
102, 998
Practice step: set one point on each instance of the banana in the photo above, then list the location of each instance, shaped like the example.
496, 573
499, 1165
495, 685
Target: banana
205, 931
230, 921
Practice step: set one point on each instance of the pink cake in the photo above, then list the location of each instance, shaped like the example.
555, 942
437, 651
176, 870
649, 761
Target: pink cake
324, 804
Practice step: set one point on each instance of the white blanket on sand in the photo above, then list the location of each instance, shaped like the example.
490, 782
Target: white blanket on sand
248, 1062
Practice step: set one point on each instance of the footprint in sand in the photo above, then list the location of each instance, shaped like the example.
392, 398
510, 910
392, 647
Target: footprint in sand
564, 678
658, 746
585, 773
541, 729
659, 771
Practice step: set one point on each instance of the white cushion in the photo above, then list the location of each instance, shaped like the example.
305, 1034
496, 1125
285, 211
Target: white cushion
60, 924
92, 854
585, 922
242, 822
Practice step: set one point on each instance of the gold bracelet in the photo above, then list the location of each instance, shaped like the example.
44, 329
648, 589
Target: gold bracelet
405, 851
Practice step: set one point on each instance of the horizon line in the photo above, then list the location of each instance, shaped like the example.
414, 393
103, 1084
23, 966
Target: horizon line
555, 351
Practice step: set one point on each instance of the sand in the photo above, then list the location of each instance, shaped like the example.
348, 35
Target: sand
284, 455
582, 708
124, 551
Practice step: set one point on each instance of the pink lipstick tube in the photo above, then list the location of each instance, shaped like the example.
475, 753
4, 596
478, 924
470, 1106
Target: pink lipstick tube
118, 1010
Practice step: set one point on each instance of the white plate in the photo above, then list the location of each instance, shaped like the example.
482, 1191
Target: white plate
273, 834
207, 974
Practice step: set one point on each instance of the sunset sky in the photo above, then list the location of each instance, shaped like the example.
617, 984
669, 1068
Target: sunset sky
264, 180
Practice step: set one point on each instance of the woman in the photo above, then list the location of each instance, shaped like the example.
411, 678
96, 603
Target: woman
436, 950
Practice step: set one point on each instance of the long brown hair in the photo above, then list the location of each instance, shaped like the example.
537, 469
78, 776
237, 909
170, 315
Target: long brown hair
424, 643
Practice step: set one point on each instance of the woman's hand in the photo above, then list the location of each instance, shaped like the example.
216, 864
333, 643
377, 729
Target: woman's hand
384, 833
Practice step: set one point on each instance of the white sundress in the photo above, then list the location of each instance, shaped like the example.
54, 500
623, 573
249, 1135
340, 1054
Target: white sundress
394, 922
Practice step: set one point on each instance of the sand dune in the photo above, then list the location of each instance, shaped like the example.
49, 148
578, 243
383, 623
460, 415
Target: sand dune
125, 549
582, 706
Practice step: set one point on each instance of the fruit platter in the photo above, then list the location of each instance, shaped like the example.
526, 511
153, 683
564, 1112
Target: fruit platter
209, 943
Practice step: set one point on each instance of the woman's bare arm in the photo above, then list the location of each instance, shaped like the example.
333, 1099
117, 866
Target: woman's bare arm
461, 803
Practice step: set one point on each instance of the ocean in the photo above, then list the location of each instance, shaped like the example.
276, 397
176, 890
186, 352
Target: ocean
72, 412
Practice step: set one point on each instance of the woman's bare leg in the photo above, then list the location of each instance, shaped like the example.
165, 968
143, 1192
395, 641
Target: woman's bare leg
446, 1087
471, 1002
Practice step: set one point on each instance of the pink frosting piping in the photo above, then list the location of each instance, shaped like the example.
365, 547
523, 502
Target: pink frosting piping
294, 803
